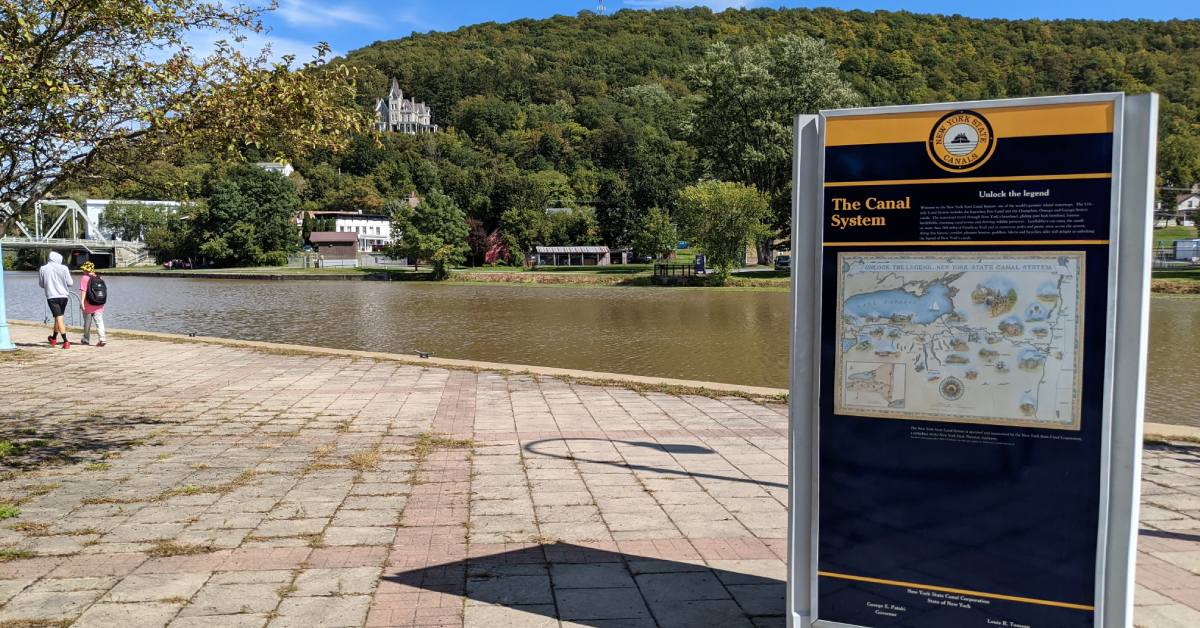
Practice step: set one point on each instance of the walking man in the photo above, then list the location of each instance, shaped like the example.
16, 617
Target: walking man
93, 294
55, 280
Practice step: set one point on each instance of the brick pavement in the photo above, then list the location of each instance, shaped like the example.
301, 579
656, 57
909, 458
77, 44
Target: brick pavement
185, 484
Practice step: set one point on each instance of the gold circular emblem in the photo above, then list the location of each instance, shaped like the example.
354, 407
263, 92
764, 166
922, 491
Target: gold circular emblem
961, 141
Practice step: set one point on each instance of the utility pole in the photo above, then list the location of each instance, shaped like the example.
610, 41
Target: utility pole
600, 8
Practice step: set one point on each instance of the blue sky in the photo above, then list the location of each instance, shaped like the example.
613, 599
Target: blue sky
350, 24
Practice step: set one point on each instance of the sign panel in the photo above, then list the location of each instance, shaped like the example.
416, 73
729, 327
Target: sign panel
962, 363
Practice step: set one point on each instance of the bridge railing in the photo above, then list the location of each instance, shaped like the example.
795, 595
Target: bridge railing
18, 241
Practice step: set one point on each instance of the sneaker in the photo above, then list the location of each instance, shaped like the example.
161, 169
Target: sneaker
85, 342
101, 343
66, 345
52, 340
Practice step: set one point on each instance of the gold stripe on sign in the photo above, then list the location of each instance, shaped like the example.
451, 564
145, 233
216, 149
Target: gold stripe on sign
1036, 121
1032, 177
929, 587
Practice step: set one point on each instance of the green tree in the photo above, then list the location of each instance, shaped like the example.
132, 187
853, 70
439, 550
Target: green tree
523, 228
1180, 155
722, 219
132, 221
435, 231
84, 84
656, 235
749, 99
248, 219
172, 238
577, 227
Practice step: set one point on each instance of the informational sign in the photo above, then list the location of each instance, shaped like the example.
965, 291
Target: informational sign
966, 403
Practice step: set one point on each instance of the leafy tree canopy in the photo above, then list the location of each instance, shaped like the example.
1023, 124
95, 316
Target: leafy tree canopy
722, 219
86, 83
656, 235
435, 231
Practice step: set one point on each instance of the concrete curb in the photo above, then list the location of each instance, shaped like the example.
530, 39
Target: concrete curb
1153, 431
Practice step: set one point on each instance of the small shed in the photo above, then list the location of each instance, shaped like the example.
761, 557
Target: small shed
571, 256
336, 248
1187, 249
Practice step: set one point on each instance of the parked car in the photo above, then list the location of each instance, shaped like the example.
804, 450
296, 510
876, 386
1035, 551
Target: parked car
783, 262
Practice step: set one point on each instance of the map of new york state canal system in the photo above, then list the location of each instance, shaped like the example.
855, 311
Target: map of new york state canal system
990, 338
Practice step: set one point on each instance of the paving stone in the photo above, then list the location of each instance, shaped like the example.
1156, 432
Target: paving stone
322, 612
760, 599
9, 588
700, 585
590, 576
364, 518
144, 615
290, 527
151, 587
526, 616
221, 621
316, 582
699, 614
231, 599
594, 604
510, 590
359, 535
622, 487
47, 605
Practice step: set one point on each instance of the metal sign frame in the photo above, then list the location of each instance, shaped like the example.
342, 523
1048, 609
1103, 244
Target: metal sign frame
1133, 176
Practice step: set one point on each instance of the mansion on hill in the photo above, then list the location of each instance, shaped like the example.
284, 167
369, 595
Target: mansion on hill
403, 115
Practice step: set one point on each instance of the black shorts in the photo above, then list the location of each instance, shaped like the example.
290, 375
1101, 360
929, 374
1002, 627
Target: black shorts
57, 306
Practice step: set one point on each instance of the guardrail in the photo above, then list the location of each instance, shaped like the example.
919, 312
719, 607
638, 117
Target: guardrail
666, 271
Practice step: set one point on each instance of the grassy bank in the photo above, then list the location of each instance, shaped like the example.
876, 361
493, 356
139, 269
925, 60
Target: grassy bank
1176, 281
1171, 234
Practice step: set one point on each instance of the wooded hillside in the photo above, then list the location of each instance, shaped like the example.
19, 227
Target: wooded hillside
616, 114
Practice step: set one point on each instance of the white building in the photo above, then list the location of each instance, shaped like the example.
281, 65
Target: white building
374, 231
284, 169
94, 207
403, 115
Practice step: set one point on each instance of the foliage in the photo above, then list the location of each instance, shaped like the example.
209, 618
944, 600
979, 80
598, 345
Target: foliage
721, 219
575, 227
85, 84
435, 231
132, 220
173, 238
656, 235
523, 229
767, 85
247, 219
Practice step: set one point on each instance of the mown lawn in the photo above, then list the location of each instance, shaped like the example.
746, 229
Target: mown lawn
1171, 234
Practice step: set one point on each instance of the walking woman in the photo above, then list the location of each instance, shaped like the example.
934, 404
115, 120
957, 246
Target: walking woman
93, 294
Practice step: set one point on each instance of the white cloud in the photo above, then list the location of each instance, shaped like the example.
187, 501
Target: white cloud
305, 13
715, 5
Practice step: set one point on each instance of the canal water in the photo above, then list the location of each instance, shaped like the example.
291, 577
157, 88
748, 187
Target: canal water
736, 336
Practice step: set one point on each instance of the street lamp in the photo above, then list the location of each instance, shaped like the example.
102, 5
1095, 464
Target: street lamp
6, 343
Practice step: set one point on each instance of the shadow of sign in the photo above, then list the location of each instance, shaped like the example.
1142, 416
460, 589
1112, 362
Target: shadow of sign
595, 587
538, 447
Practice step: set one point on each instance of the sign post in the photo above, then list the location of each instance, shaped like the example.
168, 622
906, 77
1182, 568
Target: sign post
968, 362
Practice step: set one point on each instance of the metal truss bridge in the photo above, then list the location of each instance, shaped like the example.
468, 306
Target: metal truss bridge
72, 233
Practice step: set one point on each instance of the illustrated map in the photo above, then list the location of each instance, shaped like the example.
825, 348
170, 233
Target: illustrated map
992, 338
